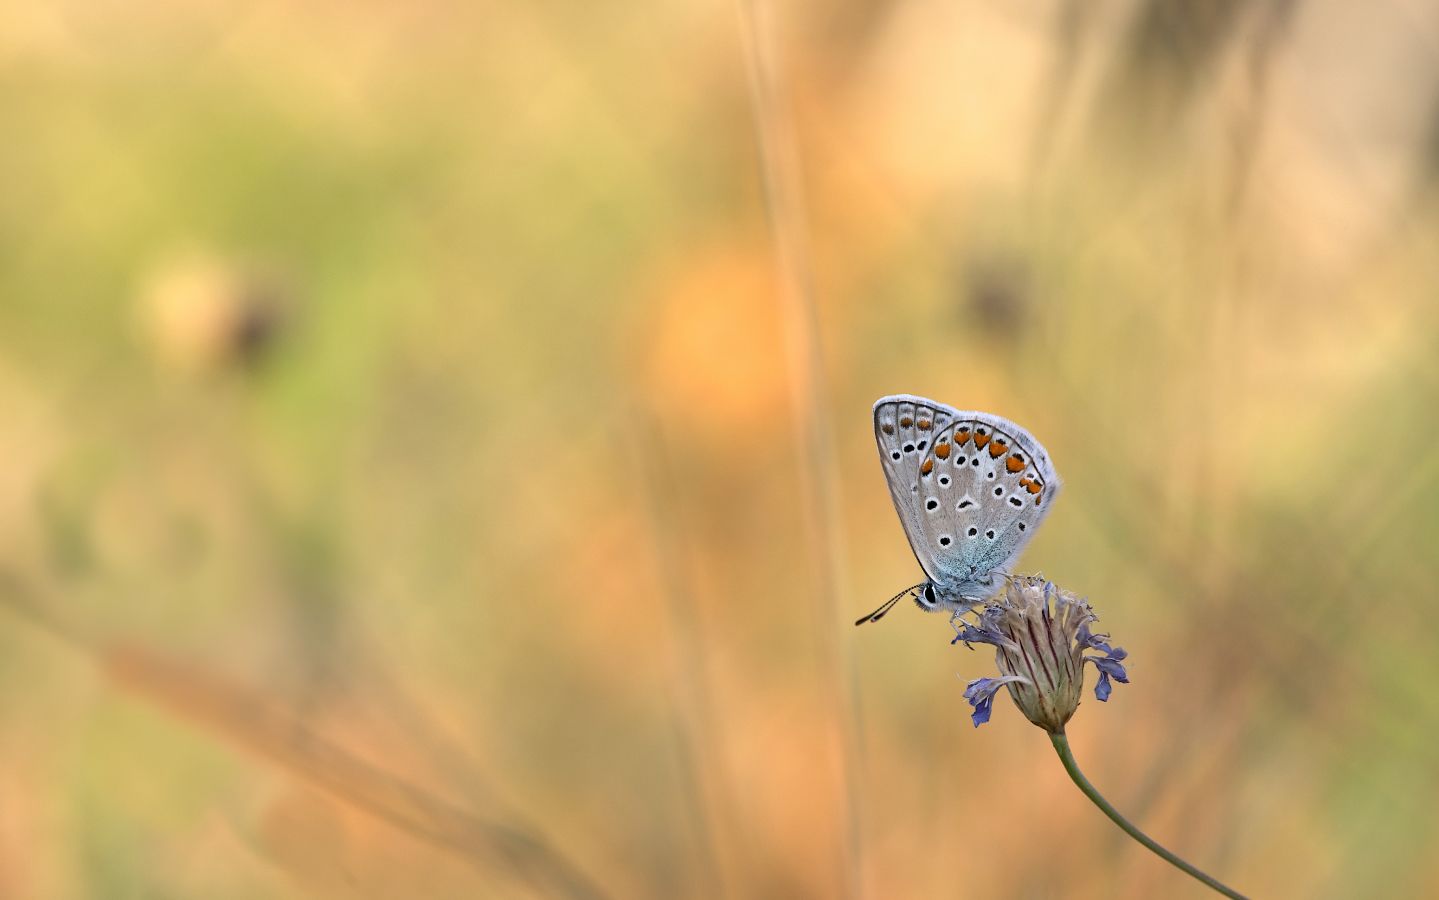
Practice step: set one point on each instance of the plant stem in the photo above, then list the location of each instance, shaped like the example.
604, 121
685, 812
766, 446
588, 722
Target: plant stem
1061, 746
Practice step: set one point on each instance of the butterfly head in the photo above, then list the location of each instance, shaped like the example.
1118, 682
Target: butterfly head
932, 596
927, 598
957, 596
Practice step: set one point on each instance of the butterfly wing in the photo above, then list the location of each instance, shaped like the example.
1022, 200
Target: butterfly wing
905, 428
980, 493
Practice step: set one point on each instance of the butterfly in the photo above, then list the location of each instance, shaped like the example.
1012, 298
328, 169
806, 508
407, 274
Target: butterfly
971, 488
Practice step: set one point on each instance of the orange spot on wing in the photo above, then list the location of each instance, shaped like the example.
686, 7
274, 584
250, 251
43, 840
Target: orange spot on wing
1014, 464
923, 424
927, 467
997, 448
906, 422
1034, 487
980, 440
887, 428
941, 450
961, 437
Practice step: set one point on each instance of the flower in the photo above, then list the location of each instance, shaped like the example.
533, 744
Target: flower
1040, 634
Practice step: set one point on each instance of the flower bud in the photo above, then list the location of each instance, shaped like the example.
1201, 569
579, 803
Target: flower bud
1039, 633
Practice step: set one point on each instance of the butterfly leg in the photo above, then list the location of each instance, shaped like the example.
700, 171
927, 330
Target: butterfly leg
957, 619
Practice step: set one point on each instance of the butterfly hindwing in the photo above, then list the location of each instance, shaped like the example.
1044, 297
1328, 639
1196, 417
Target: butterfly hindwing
990, 487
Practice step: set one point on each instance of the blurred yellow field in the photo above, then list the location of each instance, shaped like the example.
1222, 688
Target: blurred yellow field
438, 458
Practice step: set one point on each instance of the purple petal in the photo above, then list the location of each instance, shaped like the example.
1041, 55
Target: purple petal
985, 631
980, 694
1087, 639
980, 634
982, 710
1111, 667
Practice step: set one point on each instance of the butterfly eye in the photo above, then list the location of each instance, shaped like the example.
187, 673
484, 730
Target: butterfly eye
929, 595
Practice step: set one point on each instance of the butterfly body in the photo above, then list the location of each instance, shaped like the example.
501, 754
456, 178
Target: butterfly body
970, 488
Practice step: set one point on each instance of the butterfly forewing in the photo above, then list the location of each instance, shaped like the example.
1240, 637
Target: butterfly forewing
904, 429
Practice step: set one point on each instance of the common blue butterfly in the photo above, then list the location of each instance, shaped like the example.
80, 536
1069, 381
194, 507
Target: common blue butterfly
971, 488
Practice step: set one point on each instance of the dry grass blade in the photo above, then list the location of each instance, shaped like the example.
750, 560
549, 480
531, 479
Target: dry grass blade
249, 720
779, 162
698, 737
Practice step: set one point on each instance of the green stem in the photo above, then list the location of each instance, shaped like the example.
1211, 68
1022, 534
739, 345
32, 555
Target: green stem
1061, 746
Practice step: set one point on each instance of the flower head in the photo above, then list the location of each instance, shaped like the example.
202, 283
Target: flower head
1040, 634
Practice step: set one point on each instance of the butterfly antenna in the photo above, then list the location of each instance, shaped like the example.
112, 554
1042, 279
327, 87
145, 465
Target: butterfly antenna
887, 605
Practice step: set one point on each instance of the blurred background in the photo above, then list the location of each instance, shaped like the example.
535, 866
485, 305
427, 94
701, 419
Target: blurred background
426, 475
